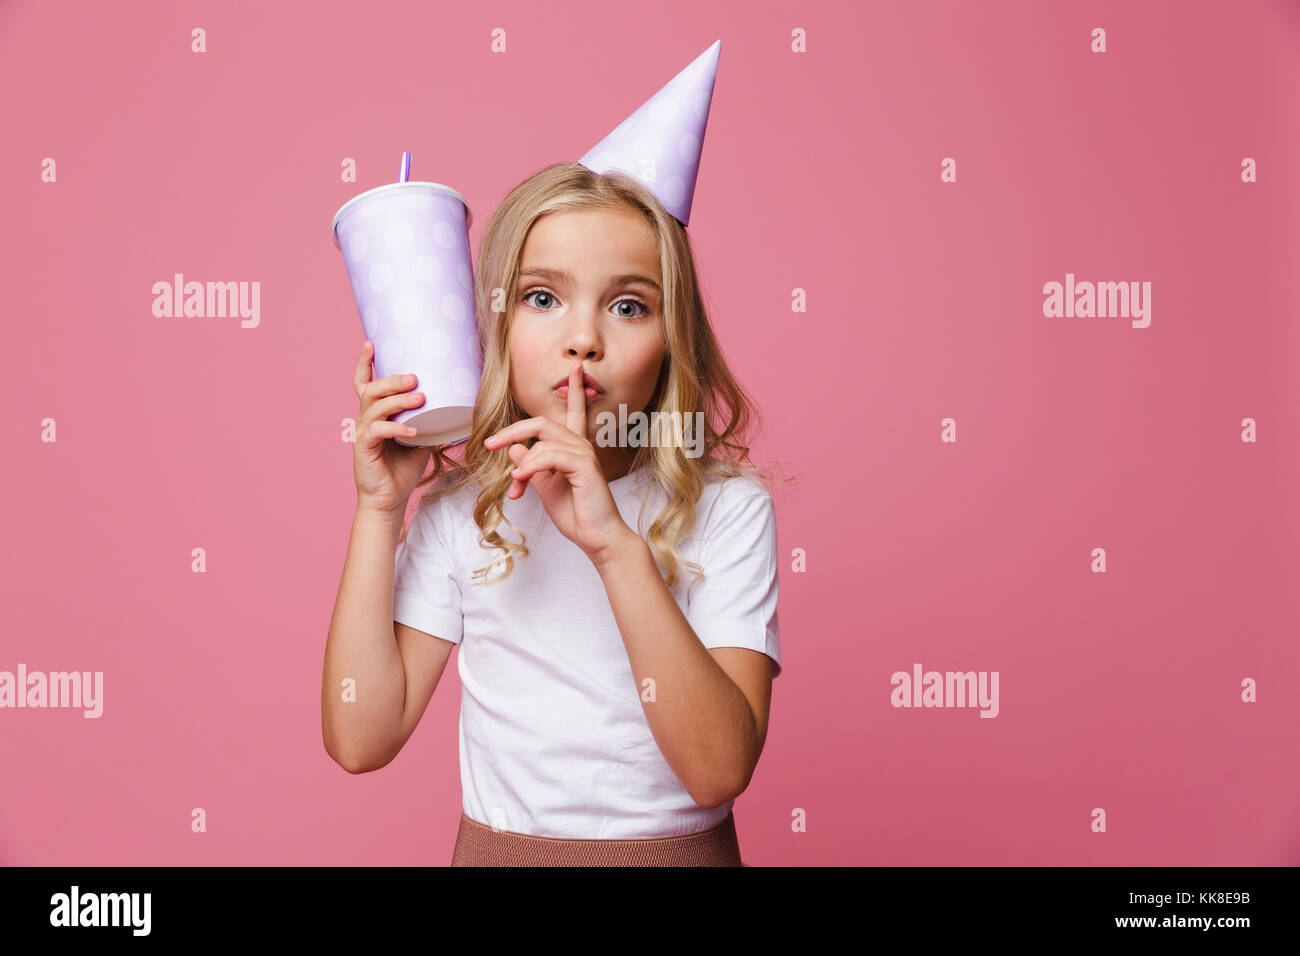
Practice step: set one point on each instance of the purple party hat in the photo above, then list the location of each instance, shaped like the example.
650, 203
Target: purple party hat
660, 143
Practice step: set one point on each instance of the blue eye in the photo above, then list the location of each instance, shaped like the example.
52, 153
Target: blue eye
631, 300
524, 297
645, 308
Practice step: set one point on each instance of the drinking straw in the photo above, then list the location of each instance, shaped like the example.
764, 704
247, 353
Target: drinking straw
406, 168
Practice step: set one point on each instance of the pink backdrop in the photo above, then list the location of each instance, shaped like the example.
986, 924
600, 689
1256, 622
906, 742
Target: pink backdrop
821, 171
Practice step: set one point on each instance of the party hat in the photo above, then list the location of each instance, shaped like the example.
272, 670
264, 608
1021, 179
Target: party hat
660, 143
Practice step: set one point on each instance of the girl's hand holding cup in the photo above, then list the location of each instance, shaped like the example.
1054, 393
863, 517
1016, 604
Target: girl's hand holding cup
386, 472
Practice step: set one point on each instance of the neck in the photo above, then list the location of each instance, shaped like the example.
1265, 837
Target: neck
615, 463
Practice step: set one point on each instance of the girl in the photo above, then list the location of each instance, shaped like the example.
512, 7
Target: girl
613, 707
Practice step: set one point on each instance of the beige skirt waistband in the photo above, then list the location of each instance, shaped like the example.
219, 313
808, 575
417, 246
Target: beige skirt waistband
478, 844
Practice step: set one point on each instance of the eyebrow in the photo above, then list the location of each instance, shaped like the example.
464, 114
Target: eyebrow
558, 275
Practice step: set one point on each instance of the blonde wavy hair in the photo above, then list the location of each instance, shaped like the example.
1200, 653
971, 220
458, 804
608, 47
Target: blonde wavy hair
694, 376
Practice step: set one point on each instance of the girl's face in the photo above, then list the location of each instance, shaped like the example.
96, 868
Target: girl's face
590, 289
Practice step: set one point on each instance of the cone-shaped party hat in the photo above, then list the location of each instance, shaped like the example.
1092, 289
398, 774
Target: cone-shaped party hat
660, 143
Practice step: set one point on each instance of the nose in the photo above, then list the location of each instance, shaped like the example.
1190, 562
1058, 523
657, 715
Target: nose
583, 335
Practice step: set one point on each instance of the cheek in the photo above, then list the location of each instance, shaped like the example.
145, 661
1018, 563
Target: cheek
649, 360
520, 351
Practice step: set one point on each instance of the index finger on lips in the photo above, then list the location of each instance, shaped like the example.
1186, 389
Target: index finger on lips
576, 416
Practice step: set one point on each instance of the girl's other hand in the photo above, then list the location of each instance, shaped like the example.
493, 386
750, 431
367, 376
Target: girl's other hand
563, 469
386, 472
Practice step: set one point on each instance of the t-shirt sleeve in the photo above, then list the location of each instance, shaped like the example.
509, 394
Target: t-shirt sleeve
426, 593
734, 604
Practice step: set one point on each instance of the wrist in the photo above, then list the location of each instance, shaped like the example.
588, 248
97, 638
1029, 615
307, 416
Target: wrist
626, 545
389, 517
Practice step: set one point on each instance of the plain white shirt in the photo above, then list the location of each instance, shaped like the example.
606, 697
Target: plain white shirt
553, 738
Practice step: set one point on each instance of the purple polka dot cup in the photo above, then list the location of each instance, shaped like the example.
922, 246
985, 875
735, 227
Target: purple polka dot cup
406, 248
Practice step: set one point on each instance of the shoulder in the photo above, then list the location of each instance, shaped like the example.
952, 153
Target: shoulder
731, 491
447, 500
731, 498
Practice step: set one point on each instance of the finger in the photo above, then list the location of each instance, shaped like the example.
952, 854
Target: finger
542, 428
517, 487
538, 461
576, 417
388, 386
384, 407
387, 429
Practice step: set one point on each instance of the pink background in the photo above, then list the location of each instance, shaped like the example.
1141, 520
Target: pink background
820, 171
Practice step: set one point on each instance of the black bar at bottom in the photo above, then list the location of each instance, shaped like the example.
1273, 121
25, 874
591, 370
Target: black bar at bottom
332, 905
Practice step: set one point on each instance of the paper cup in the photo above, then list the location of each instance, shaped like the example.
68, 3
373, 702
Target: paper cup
406, 248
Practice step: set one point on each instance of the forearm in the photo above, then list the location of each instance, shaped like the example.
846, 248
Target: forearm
361, 645
700, 718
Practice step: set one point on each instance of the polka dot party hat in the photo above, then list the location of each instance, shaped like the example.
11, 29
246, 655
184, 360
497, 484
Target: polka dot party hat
660, 143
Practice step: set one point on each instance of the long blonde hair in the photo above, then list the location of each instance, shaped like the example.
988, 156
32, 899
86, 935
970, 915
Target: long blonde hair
694, 375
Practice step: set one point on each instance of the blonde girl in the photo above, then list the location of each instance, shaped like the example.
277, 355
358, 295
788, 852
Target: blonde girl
614, 602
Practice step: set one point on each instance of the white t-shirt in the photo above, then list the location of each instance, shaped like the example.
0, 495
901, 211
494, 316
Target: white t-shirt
553, 738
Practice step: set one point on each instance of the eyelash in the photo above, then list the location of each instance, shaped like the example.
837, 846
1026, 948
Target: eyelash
631, 298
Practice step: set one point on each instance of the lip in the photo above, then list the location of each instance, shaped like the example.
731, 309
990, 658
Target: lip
587, 380
563, 393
